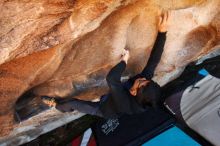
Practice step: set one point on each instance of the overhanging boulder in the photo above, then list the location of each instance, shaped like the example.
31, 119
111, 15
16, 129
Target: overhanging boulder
57, 48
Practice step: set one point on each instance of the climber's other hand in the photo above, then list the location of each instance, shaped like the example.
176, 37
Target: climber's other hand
163, 21
126, 56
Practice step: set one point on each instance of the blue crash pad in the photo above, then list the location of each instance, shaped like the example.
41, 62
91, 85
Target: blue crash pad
172, 137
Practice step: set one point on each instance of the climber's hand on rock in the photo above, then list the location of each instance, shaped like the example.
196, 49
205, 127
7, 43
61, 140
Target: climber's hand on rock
126, 56
163, 22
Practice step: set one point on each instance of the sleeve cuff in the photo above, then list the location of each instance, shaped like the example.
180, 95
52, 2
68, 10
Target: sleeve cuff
162, 33
123, 63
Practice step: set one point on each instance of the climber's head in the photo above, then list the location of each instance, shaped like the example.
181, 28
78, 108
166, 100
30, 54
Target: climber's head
149, 95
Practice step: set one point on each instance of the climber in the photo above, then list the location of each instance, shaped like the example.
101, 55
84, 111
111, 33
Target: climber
133, 96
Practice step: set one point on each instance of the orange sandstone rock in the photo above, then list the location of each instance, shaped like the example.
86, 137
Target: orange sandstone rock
64, 48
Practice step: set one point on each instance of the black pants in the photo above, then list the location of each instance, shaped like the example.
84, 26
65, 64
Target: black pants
87, 107
92, 108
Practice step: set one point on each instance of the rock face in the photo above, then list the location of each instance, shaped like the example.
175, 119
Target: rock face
65, 48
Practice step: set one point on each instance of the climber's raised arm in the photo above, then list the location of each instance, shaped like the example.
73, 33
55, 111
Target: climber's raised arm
157, 49
114, 75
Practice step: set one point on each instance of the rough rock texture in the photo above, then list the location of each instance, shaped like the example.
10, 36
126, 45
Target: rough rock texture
38, 125
66, 47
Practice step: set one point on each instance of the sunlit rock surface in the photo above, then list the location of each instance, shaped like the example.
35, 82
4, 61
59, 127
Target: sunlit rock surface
66, 47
